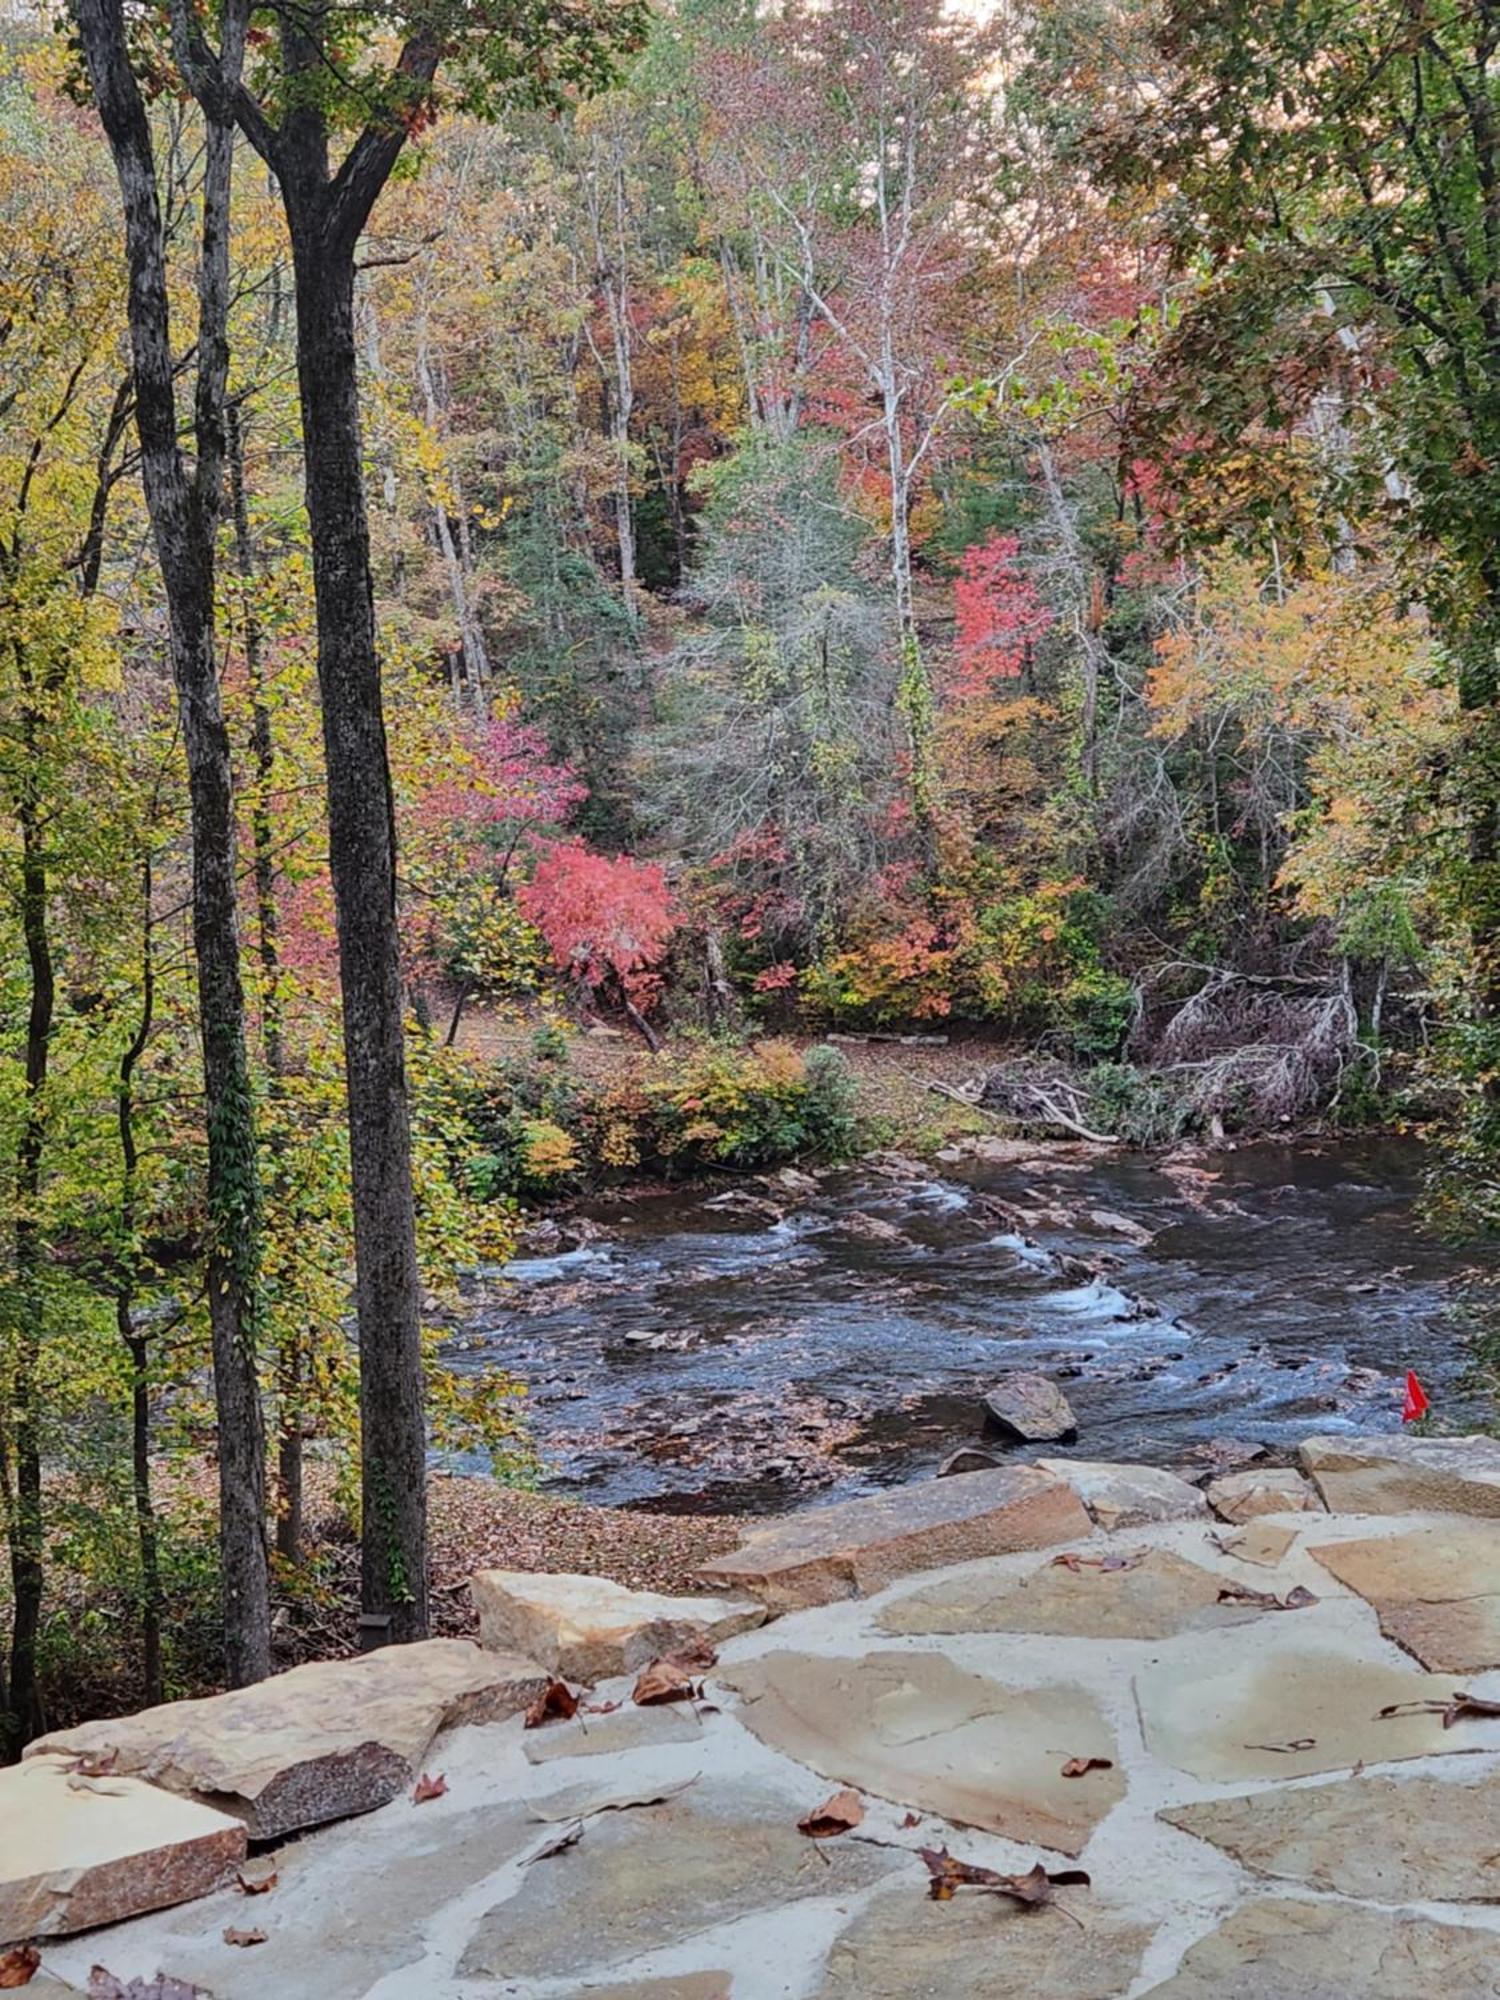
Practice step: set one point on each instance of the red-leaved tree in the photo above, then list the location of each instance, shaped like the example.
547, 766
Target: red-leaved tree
607, 920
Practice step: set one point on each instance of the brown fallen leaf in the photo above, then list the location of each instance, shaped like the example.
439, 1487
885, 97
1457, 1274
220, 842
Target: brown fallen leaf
912, 1819
244, 1938
556, 1703
600, 1707
257, 1885
1287, 1749
840, 1814
1458, 1708
18, 1967
103, 1985
1079, 1767
1071, 1559
429, 1788
947, 1876
1296, 1599
666, 1679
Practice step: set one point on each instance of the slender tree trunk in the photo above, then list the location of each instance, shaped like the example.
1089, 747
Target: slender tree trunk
24, 1717
290, 1357
184, 515
362, 856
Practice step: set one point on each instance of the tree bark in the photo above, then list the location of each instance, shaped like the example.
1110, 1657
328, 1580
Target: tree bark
184, 514
362, 858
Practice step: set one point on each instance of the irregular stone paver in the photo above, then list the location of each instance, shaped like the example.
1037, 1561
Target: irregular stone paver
904, 1947
318, 1743
1161, 1595
1246, 1717
602, 1735
1390, 1839
1263, 1543
1127, 1496
1030, 1409
917, 1729
857, 1547
1406, 1475
640, 1881
77, 1851
1436, 1591
1273, 1489
1279, 1950
587, 1628
347, 1913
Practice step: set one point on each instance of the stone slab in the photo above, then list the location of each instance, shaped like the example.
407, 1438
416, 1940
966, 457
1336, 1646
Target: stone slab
641, 1881
857, 1547
351, 1905
1389, 1839
1406, 1475
319, 1743
904, 1947
1262, 1542
1436, 1591
623, 1729
1162, 1595
587, 1628
77, 1851
1283, 1950
1127, 1496
914, 1728
1270, 1489
1242, 1716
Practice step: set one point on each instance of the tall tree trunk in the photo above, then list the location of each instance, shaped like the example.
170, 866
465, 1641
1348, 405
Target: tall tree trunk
184, 515
362, 856
289, 1353
137, 1343
23, 1718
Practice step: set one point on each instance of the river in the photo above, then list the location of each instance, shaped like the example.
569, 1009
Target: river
758, 1347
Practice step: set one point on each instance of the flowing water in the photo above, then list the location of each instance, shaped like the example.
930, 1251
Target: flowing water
755, 1348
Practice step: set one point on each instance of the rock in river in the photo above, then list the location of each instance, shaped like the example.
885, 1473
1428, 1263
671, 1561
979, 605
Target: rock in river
1030, 1409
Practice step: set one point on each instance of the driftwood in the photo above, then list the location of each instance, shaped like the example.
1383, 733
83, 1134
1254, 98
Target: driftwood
1042, 1109
1039, 1093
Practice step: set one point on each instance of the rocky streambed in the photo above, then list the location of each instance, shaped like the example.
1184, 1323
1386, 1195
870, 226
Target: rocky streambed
795, 1338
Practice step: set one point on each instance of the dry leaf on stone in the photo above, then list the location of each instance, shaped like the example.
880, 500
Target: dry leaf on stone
556, 1703
1297, 1599
912, 1819
244, 1938
18, 1967
1108, 1565
258, 1884
1287, 1749
1079, 1767
671, 1678
1459, 1708
840, 1814
1032, 1889
600, 1707
429, 1788
104, 1986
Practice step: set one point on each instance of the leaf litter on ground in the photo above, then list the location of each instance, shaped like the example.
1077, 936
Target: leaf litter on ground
1296, 1599
676, 1676
947, 1875
18, 1966
1457, 1708
839, 1814
429, 1788
556, 1703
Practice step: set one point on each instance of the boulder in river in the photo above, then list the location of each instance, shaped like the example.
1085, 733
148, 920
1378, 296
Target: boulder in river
1030, 1409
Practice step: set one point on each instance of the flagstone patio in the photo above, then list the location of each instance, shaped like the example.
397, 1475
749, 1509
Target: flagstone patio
1253, 1824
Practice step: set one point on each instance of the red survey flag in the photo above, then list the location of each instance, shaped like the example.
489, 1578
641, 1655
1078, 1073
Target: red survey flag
1416, 1404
